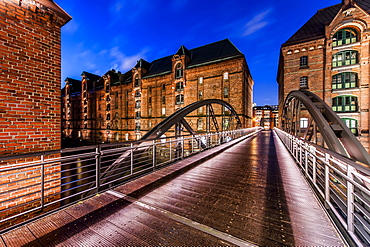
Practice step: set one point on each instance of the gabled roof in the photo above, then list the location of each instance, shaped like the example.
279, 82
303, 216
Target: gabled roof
143, 64
75, 85
92, 80
183, 51
210, 53
315, 27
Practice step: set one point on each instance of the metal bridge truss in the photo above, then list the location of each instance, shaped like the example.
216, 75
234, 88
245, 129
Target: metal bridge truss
341, 175
307, 116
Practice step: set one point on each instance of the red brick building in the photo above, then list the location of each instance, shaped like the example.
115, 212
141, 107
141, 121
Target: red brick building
30, 70
265, 116
329, 55
124, 106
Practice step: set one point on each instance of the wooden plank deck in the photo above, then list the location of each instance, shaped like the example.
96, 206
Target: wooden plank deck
252, 194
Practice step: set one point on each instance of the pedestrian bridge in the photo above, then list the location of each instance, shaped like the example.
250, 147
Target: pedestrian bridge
242, 187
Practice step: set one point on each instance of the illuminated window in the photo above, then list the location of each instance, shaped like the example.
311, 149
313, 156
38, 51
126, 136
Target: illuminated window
344, 80
200, 80
345, 103
226, 75
345, 36
303, 82
226, 92
303, 123
351, 124
344, 58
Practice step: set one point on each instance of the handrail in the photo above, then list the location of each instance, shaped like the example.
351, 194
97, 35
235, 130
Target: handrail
342, 184
49, 181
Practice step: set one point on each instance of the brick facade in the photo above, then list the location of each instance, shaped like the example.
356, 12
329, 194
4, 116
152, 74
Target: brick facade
30, 70
30, 76
323, 51
118, 107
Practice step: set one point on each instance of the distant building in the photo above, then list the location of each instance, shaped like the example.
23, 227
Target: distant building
124, 106
265, 116
329, 56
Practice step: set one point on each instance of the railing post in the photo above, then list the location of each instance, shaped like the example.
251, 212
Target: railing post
313, 151
327, 178
306, 159
132, 158
42, 180
350, 200
170, 140
182, 147
97, 165
154, 155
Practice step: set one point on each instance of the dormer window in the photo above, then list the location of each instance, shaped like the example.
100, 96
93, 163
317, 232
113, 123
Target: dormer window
179, 71
345, 36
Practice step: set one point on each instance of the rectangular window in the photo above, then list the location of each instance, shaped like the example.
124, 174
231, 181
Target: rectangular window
226, 75
163, 111
303, 123
200, 80
179, 99
226, 92
200, 95
303, 82
303, 62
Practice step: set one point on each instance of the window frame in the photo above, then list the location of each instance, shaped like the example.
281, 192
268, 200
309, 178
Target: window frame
179, 99
345, 103
303, 62
345, 58
179, 86
339, 81
179, 71
352, 124
303, 82
343, 39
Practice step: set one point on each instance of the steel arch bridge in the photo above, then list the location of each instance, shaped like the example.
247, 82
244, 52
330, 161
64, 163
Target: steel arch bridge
307, 116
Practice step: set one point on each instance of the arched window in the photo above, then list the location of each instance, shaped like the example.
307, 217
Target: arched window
345, 36
137, 93
345, 58
108, 107
179, 71
137, 104
345, 103
351, 124
344, 80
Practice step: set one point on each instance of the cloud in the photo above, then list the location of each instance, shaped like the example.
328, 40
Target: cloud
123, 62
258, 22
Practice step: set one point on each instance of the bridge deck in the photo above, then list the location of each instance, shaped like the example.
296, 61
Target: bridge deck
250, 194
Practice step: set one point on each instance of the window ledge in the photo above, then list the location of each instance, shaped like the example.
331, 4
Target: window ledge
348, 114
345, 46
346, 67
304, 67
345, 90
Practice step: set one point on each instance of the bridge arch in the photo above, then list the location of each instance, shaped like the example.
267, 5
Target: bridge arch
178, 117
323, 123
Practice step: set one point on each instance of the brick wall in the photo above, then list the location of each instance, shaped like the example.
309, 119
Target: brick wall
30, 67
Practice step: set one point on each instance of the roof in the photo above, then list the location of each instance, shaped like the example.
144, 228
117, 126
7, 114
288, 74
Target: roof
75, 85
314, 28
213, 52
55, 7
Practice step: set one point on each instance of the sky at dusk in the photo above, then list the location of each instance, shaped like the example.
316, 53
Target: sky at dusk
115, 34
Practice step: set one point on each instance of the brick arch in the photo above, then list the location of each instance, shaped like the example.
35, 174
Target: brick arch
356, 24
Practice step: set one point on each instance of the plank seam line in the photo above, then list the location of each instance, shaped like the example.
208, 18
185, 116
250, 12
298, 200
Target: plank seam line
196, 225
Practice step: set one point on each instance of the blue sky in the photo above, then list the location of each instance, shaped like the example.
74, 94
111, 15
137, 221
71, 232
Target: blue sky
114, 34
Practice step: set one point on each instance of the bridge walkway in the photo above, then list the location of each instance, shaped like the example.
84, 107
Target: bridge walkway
250, 194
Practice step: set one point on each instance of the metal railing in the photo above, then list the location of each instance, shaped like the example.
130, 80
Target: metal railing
341, 184
35, 184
